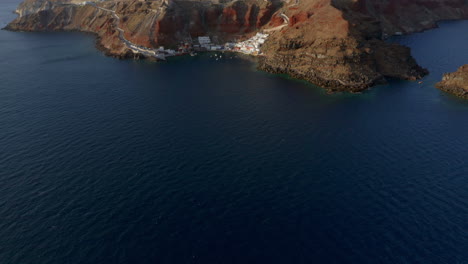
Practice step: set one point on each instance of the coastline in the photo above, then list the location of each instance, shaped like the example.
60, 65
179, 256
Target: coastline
376, 63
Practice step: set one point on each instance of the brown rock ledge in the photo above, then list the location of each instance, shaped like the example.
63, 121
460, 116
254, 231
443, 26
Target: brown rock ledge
456, 83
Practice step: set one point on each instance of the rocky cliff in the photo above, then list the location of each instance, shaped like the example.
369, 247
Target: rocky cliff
337, 44
456, 83
146, 23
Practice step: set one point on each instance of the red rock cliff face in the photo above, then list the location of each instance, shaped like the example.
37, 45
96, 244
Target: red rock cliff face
150, 23
224, 21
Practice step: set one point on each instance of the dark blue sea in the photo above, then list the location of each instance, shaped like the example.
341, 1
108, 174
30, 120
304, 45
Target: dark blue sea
204, 161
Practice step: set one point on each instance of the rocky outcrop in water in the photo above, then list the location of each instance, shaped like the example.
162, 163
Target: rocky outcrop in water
337, 44
456, 83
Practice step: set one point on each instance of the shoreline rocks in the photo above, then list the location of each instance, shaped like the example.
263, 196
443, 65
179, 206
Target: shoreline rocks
455, 83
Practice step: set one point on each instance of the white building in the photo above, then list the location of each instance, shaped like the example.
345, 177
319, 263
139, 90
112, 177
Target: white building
204, 40
252, 45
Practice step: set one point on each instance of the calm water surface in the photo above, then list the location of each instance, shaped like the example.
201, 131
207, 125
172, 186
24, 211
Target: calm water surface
204, 161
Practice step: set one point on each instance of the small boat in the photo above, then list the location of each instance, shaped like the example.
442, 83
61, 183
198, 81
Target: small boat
193, 54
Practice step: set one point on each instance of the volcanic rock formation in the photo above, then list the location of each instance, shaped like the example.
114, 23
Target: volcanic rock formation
339, 44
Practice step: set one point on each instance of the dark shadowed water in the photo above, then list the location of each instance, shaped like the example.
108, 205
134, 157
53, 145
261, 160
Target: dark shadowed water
204, 161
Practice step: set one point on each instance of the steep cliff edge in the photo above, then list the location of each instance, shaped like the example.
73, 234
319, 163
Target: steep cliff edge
456, 83
66, 15
339, 44
336, 44
146, 23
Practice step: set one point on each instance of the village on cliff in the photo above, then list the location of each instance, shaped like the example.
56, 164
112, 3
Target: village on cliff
190, 46
250, 46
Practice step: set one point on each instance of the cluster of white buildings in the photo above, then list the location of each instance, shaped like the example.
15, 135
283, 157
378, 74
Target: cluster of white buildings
168, 52
205, 43
83, 3
250, 46
160, 53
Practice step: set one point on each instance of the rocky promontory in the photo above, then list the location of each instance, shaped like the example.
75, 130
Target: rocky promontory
336, 44
340, 44
456, 83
